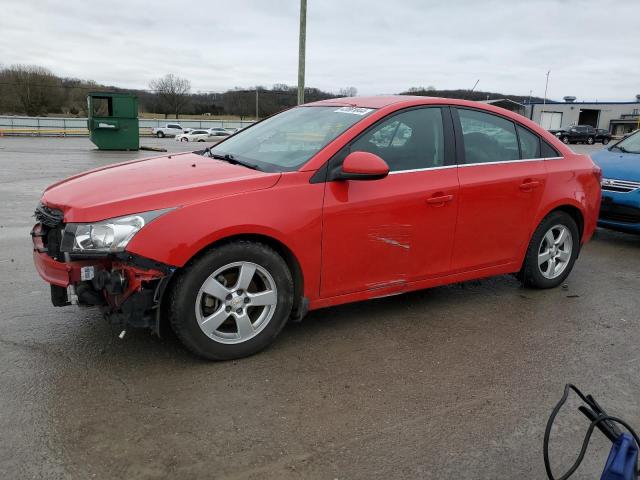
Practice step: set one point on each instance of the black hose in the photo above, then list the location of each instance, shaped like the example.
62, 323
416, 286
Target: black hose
585, 444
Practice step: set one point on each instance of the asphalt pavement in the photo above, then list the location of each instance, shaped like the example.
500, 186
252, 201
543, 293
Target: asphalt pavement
454, 382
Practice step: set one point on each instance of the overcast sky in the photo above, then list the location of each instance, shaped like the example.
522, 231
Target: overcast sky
379, 46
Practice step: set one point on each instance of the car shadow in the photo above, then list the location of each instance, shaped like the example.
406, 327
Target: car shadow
606, 236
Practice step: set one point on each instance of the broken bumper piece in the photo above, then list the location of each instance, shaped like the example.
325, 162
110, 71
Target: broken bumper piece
127, 288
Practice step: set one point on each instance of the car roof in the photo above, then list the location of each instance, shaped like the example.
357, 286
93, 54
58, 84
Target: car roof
367, 102
389, 103
400, 101
396, 102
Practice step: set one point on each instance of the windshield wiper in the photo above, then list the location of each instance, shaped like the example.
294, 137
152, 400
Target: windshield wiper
227, 157
622, 149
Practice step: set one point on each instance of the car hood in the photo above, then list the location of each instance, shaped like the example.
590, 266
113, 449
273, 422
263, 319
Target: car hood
151, 184
618, 165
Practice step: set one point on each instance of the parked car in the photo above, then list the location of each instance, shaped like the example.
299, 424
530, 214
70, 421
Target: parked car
603, 136
576, 134
194, 136
316, 206
219, 132
620, 164
169, 130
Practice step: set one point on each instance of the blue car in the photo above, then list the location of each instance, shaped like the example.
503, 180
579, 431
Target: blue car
620, 164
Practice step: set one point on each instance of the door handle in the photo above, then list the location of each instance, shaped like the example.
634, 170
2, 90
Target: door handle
529, 185
439, 200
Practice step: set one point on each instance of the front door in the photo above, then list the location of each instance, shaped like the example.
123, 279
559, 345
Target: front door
501, 183
386, 233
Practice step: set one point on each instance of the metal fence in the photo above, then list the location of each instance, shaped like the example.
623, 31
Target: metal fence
52, 126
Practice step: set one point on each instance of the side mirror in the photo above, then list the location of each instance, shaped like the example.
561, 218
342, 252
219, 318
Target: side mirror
362, 166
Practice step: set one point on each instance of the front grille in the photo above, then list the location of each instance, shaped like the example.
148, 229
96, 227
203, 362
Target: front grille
613, 185
619, 213
50, 217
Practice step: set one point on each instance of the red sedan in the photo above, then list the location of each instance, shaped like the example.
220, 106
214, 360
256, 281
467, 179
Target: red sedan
327, 203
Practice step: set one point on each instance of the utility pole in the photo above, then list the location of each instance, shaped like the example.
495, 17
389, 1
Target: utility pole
475, 85
301, 50
544, 100
257, 116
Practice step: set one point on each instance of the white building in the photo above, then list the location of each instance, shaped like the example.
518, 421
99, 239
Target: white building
616, 117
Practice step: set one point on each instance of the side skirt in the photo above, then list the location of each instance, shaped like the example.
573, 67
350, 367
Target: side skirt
396, 288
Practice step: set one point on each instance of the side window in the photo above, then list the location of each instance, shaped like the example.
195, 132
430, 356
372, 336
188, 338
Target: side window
529, 144
487, 137
407, 141
548, 151
174, 126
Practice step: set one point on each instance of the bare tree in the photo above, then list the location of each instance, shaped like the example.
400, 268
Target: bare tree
348, 92
34, 90
173, 91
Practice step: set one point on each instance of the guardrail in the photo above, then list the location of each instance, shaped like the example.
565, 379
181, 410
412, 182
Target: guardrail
53, 126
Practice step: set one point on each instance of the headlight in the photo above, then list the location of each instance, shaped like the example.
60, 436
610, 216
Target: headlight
558, 134
107, 236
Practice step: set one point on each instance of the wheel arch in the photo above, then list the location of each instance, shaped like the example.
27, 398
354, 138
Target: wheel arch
569, 207
575, 213
299, 303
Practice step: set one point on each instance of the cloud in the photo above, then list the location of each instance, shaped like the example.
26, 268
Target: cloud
376, 46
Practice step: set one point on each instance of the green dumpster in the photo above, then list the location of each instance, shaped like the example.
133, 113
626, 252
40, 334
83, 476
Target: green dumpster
113, 121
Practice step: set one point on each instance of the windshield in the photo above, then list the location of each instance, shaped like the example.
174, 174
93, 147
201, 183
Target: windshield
631, 144
289, 139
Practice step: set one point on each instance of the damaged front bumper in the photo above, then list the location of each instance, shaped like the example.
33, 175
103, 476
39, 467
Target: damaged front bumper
127, 288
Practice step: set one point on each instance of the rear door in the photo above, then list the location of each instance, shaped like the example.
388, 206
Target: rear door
502, 179
385, 233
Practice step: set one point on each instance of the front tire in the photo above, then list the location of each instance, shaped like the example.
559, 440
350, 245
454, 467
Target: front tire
233, 301
565, 140
552, 251
183, 139
590, 141
605, 141
160, 134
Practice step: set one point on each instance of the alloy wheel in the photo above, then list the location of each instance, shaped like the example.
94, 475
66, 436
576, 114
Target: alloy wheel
236, 302
554, 252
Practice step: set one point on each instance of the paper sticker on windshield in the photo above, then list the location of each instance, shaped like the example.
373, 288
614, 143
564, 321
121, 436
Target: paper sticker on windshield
354, 110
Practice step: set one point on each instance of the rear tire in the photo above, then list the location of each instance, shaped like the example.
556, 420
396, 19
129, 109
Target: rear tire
552, 252
605, 141
232, 302
160, 134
